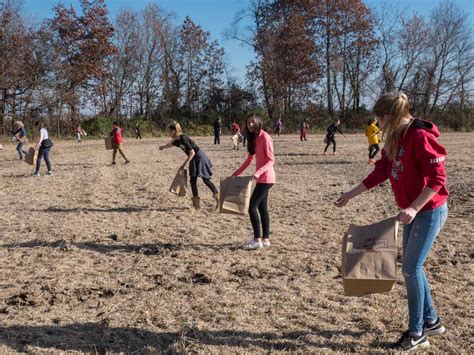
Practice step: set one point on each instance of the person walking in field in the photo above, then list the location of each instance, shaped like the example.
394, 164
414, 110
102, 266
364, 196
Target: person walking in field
79, 132
199, 163
138, 131
116, 135
236, 135
278, 126
330, 136
260, 147
413, 161
373, 139
304, 128
44, 145
217, 130
19, 136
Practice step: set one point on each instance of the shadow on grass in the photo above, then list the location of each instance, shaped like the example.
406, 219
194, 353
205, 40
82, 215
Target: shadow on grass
112, 209
100, 338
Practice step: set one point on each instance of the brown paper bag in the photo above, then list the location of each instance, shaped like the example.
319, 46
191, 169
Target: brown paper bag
180, 183
369, 258
32, 156
235, 192
109, 143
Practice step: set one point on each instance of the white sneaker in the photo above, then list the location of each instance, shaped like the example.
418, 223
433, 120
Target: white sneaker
36, 173
266, 242
253, 244
49, 173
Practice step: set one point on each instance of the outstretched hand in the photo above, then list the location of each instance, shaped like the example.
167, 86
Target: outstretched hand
342, 200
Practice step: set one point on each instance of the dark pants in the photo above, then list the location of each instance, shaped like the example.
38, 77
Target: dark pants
332, 141
258, 205
138, 135
373, 150
208, 182
217, 138
43, 152
304, 134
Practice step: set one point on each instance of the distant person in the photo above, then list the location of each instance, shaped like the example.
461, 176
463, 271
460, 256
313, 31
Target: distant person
373, 139
413, 160
217, 130
244, 134
44, 145
138, 133
236, 135
304, 128
278, 126
19, 136
116, 135
330, 136
260, 146
199, 163
79, 132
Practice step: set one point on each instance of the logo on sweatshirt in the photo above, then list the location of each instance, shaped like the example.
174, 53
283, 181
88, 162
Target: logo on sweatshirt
397, 165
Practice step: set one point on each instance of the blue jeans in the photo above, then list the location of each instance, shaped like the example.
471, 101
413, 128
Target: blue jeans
20, 150
418, 238
43, 152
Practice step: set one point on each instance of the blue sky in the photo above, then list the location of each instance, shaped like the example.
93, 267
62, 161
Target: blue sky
217, 15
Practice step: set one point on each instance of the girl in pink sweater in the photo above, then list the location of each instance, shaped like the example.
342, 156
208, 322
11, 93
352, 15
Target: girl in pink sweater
260, 146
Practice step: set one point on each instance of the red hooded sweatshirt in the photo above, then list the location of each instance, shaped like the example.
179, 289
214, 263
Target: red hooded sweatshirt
419, 164
117, 135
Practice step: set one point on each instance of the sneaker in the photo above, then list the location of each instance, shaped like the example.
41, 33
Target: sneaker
253, 244
266, 242
113, 163
409, 342
434, 328
49, 173
36, 173
127, 161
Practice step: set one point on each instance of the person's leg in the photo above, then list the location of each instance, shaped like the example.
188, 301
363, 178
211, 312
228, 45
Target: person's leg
210, 185
333, 141
193, 183
376, 150
371, 148
20, 150
263, 210
301, 134
38, 161
114, 154
327, 145
258, 195
417, 243
46, 158
122, 153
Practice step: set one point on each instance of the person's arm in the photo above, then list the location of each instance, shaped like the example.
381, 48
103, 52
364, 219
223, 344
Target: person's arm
188, 159
167, 145
244, 166
38, 144
408, 214
377, 176
269, 158
341, 132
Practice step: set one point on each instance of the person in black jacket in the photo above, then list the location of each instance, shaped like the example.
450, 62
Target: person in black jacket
330, 136
217, 130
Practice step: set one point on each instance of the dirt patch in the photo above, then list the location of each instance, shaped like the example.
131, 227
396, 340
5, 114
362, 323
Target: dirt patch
101, 258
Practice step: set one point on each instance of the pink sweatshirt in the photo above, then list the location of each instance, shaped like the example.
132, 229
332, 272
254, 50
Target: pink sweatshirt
265, 173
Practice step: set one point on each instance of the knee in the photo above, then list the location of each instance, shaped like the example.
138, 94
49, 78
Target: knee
410, 270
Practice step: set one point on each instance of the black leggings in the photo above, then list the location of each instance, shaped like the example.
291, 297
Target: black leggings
208, 182
373, 150
259, 201
330, 140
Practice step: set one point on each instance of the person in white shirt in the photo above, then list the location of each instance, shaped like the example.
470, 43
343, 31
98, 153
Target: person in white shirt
44, 145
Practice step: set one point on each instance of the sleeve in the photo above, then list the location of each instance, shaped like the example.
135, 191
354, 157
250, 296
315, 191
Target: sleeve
186, 142
379, 174
269, 159
244, 166
339, 130
431, 156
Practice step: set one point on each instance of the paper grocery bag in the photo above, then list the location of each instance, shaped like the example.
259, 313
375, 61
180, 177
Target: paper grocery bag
369, 258
109, 143
31, 156
180, 183
235, 192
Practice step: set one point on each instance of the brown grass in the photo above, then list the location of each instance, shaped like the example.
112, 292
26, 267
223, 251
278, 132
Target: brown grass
104, 259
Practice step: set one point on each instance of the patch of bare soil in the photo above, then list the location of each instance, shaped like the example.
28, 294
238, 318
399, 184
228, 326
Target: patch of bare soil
101, 258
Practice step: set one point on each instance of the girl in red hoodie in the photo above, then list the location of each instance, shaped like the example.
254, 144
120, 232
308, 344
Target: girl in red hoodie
116, 134
260, 146
413, 161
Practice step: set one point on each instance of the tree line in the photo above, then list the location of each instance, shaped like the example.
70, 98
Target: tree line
315, 59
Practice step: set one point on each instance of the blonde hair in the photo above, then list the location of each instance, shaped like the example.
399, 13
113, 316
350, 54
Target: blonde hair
176, 127
392, 108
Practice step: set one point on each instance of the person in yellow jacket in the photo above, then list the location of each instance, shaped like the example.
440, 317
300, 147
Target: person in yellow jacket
371, 133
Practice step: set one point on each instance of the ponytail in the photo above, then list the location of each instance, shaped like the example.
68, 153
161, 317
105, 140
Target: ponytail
396, 107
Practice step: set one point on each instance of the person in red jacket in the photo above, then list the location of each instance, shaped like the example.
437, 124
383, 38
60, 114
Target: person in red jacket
413, 160
116, 134
236, 135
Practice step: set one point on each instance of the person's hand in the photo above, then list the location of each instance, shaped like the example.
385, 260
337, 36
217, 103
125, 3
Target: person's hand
345, 136
36, 147
343, 199
255, 177
407, 215
183, 166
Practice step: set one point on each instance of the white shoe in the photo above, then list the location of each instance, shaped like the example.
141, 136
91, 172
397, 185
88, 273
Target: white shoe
49, 173
266, 242
36, 173
253, 244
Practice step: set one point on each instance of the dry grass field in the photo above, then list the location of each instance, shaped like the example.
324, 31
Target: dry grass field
101, 258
